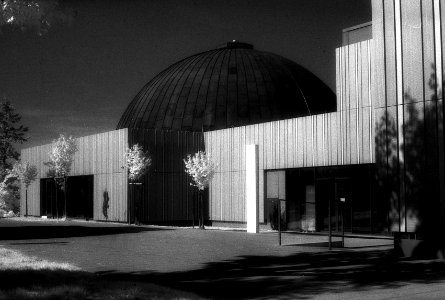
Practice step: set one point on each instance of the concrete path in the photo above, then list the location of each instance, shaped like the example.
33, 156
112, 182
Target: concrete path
230, 264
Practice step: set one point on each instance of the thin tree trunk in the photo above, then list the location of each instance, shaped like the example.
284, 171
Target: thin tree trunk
26, 202
64, 194
201, 206
57, 201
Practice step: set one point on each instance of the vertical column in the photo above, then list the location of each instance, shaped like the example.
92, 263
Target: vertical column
252, 188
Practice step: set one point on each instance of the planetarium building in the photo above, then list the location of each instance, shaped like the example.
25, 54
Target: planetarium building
368, 158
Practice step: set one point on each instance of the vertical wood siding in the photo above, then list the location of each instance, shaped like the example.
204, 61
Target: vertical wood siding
408, 40
101, 155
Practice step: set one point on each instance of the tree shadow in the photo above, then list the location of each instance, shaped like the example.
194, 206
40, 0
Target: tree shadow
409, 159
301, 275
22, 232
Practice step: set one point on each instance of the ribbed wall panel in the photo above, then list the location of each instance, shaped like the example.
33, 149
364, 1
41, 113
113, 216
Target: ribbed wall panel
408, 74
101, 155
227, 147
167, 193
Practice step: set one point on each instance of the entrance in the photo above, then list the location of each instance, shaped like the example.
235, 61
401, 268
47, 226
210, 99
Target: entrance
309, 194
336, 192
79, 197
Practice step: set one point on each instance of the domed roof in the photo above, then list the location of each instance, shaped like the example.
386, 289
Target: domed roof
226, 87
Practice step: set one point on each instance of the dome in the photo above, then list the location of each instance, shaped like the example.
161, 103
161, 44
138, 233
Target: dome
227, 87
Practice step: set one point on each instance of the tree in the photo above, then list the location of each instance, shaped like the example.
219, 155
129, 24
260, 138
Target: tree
10, 133
137, 162
61, 158
38, 15
26, 174
201, 168
9, 193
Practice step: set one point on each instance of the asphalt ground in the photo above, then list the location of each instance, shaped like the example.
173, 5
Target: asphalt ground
230, 264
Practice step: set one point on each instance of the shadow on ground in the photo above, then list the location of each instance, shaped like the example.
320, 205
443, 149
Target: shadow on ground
301, 275
61, 284
66, 231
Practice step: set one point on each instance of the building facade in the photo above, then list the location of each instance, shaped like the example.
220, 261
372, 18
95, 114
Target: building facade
374, 157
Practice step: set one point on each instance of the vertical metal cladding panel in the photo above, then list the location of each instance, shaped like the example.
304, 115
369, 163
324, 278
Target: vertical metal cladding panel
441, 157
217, 181
390, 53
352, 78
431, 169
266, 148
347, 90
319, 143
338, 77
344, 128
240, 181
365, 88
365, 135
412, 51
414, 163
353, 137
99, 186
332, 136
428, 48
283, 143
260, 195
289, 143
440, 46
393, 167
309, 139
235, 196
344, 78
274, 149
226, 181
378, 36
358, 76
299, 141
216, 201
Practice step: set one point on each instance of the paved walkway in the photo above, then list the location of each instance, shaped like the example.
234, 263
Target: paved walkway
230, 264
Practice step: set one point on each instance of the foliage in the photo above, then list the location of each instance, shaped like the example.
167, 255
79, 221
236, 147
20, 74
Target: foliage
24, 172
10, 192
37, 15
137, 162
274, 219
62, 156
201, 168
10, 134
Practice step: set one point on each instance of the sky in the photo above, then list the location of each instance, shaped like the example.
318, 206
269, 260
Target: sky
78, 78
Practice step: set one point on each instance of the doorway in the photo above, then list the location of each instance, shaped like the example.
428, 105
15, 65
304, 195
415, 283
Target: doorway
79, 198
334, 199
310, 194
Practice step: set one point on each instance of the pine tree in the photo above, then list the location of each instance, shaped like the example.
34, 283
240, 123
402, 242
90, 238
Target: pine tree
11, 133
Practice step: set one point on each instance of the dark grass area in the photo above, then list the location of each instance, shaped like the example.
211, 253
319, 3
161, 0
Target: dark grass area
50, 284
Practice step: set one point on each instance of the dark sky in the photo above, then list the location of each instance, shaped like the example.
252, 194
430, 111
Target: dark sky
78, 78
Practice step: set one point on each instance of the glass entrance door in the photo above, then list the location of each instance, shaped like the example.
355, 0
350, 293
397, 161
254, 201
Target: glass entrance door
343, 204
336, 193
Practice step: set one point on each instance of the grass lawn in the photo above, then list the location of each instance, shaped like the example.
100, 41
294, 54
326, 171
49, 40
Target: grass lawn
26, 277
